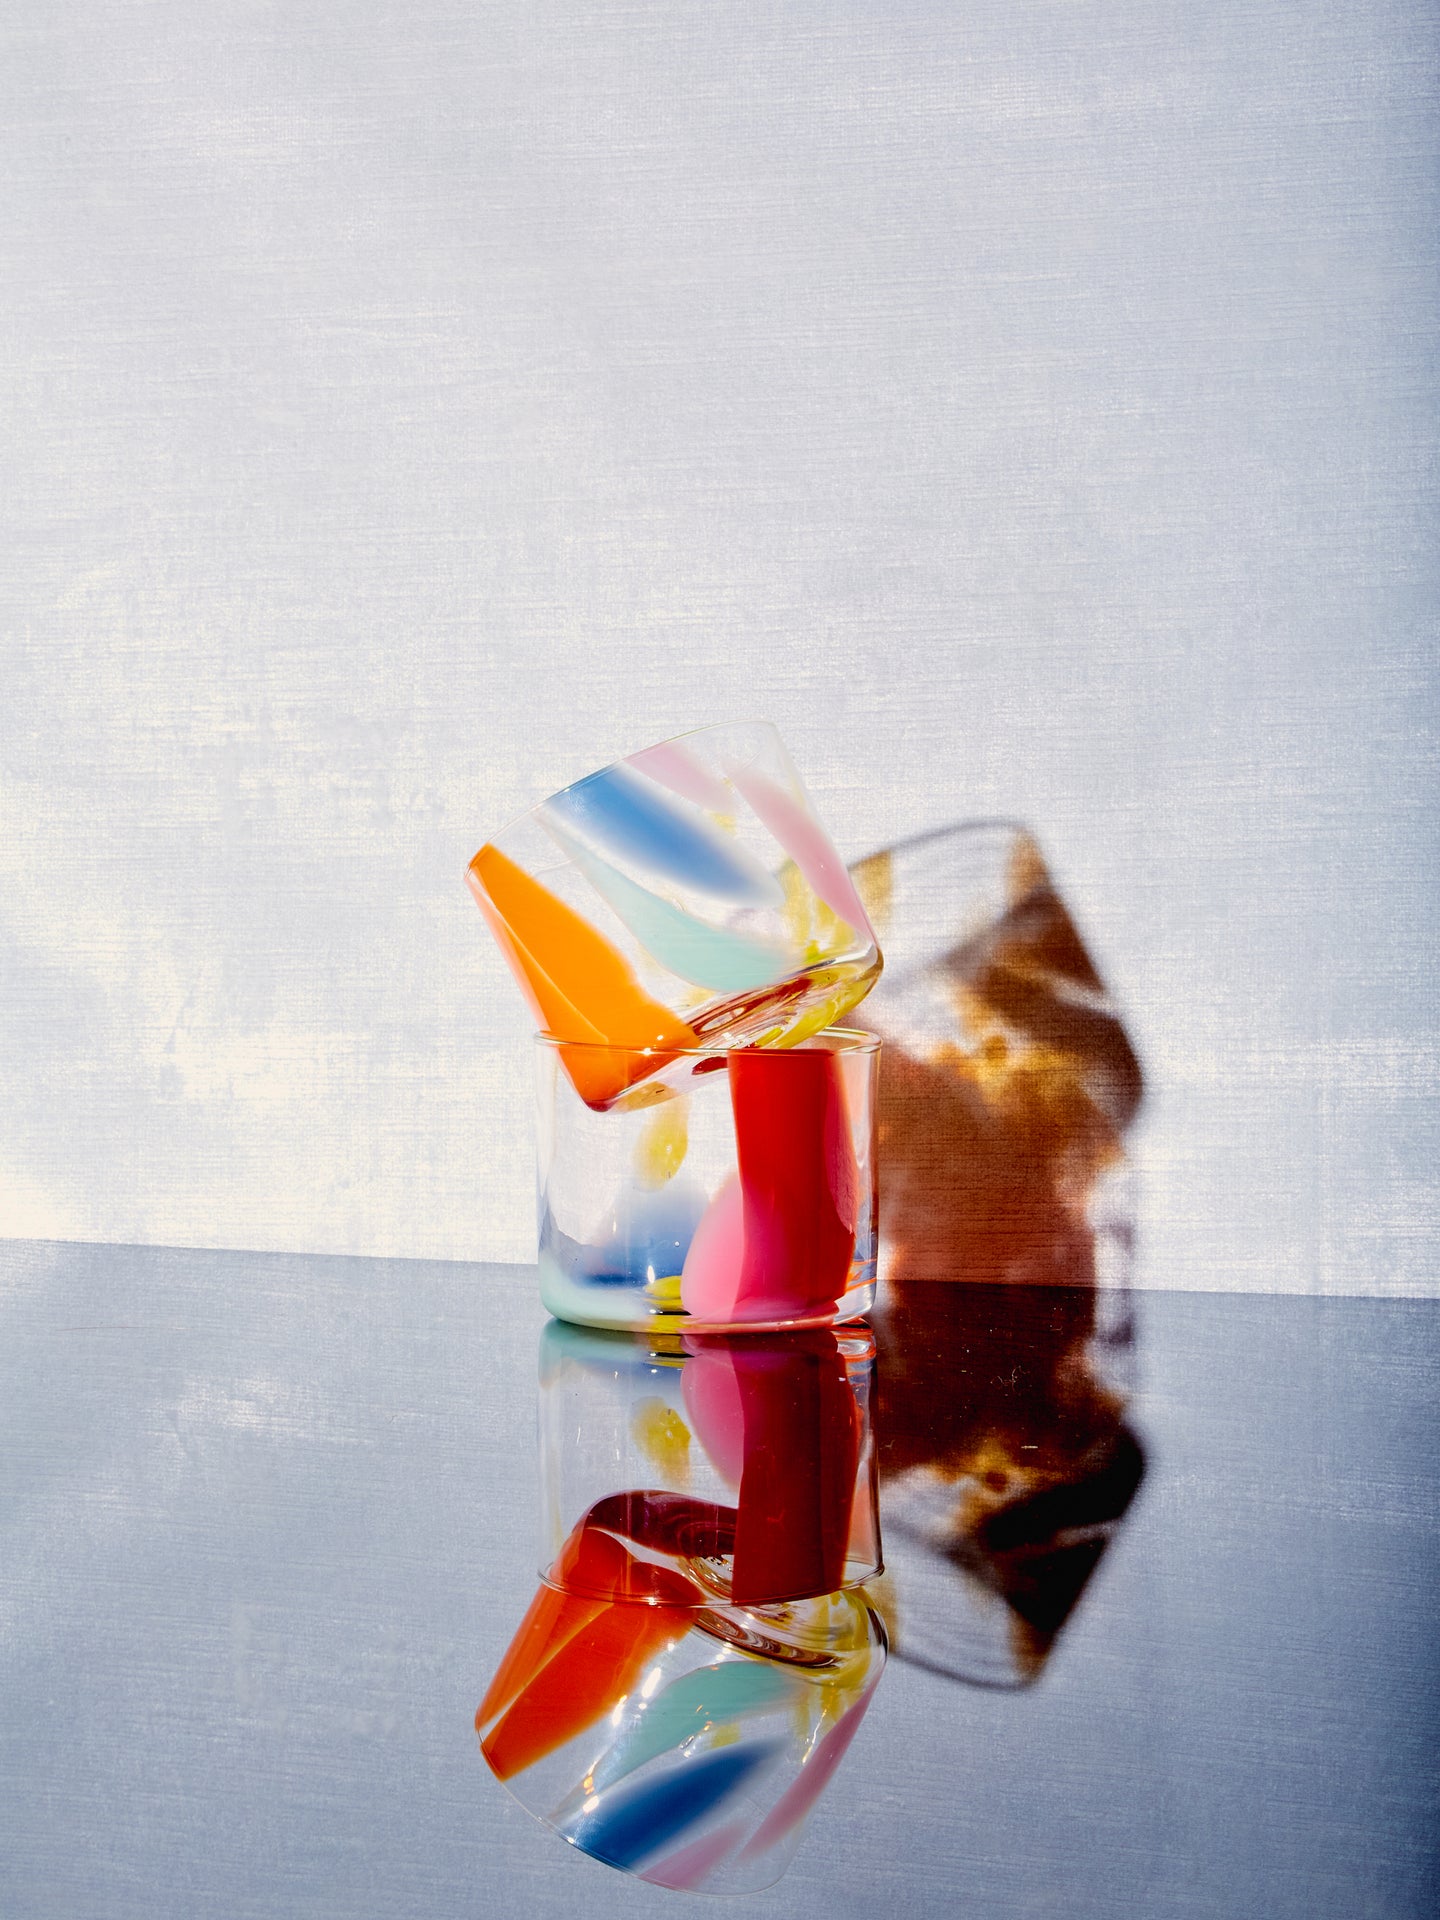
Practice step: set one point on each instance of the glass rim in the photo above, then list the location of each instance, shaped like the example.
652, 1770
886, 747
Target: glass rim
668, 1343
853, 1040
713, 1603
621, 759
983, 826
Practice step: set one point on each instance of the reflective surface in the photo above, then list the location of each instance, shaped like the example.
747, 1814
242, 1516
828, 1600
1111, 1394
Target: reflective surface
684, 1743
744, 1462
1007, 1467
267, 1525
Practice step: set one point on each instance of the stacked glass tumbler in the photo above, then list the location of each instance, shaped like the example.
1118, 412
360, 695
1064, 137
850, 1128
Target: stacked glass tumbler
687, 938
701, 1650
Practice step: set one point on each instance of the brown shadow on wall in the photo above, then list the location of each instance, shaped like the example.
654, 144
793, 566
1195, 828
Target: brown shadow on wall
1004, 1325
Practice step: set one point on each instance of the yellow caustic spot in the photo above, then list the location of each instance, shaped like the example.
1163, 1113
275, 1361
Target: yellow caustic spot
663, 1437
992, 1061
664, 1292
664, 1138
847, 981
875, 883
835, 1696
724, 1735
815, 928
823, 1702
807, 1712
650, 1093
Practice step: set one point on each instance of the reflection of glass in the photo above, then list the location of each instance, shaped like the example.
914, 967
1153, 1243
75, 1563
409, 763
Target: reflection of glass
744, 1198
1005, 1465
679, 1694
747, 1459
683, 1743
684, 897
1006, 1232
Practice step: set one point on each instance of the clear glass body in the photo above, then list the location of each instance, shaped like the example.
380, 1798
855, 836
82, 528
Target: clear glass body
685, 897
750, 1455
736, 1192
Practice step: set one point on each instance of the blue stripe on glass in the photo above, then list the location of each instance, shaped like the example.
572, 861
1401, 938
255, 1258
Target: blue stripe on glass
622, 812
628, 1827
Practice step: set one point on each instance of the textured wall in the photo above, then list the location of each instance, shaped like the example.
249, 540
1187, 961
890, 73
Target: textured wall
1028, 406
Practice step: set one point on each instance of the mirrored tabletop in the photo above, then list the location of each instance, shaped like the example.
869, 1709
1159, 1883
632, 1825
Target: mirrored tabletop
269, 1523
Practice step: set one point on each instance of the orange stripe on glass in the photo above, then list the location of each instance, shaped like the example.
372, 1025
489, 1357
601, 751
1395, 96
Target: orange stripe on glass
579, 986
583, 1681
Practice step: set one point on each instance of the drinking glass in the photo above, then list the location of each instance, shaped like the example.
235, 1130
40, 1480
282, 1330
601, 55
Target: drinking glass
738, 1192
700, 1651
747, 1459
684, 898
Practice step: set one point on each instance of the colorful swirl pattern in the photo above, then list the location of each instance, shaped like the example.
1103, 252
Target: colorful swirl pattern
686, 1742
686, 895
693, 1667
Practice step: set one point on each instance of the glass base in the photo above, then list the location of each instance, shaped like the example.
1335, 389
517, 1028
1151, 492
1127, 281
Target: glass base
628, 1309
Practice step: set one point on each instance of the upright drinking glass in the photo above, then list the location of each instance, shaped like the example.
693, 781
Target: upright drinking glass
739, 1193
